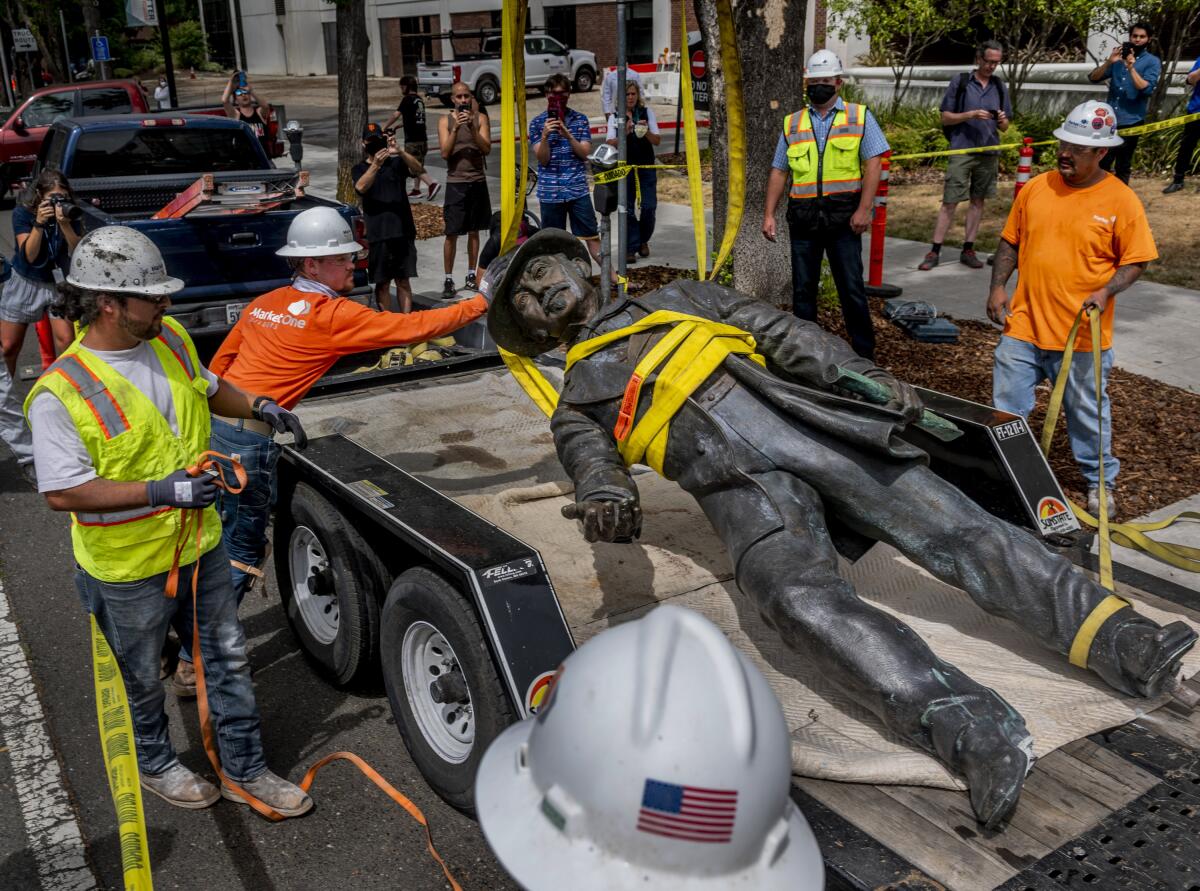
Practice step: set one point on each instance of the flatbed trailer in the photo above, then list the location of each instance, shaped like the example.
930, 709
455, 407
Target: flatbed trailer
398, 549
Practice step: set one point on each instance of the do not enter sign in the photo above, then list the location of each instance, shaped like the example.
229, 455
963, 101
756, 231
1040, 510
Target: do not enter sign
699, 66
698, 63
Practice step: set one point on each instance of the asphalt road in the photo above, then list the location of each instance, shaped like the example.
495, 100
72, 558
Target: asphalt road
355, 837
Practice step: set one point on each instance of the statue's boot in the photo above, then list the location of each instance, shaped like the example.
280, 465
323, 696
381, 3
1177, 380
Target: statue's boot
987, 742
1138, 656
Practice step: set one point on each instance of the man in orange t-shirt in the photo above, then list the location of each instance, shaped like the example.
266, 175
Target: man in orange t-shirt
1078, 236
284, 342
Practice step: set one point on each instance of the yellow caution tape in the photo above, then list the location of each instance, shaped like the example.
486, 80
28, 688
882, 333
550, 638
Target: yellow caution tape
1129, 535
1142, 129
120, 763
692, 154
623, 170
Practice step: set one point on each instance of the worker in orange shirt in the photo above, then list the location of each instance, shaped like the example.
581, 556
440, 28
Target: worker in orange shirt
284, 342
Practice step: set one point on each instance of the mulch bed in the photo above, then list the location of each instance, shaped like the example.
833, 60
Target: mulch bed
428, 220
1156, 427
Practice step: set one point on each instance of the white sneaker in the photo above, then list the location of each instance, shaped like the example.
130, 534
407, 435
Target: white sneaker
1093, 501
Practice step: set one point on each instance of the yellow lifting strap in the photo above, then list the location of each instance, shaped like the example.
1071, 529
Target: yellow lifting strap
1129, 535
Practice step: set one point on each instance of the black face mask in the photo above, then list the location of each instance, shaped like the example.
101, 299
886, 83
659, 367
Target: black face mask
819, 94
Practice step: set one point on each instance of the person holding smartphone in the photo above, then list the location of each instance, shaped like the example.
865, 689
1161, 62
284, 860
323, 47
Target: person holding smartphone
1132, 72
975, 111
641, 137
465, 140
243, 105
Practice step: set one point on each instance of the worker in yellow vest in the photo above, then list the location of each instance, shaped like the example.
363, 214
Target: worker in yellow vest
830, 152
116, 421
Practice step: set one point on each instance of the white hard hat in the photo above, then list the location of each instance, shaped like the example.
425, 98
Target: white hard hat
120, 260
1091, 123
319, 232
823, 63
661, 759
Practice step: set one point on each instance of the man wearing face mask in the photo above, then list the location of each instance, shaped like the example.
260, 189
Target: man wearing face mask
831, 151
1132, 72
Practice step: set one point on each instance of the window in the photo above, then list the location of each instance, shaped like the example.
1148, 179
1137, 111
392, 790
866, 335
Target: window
44, 111
105, 102
163, 150
536, 46
560, 24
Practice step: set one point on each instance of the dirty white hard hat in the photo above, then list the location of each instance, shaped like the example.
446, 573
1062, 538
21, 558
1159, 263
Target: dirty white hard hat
659, 759
319, 232
120, 260
604, 156
823, 63
1091, 123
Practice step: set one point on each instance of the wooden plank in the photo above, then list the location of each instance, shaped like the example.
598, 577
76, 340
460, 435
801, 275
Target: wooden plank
1123, 773
951, 810
1164, 722
1087, 781
939, 853
1053, 811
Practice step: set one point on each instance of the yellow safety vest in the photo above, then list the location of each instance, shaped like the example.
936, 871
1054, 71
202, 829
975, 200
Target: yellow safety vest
838, 168
128, 439
692, 350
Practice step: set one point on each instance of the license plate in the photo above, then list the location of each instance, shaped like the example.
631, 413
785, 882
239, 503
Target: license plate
233, 312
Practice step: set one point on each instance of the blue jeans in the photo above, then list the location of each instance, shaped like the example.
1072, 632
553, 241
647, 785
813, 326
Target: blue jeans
134, 617
641, 223
844, 249
581, 212
245, 516
1020, 366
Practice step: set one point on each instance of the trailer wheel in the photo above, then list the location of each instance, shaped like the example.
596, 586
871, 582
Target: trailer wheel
447, 699
331, 584
487, 91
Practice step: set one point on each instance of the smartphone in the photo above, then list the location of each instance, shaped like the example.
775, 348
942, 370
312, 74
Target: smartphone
239, 79
1126, 49
995, 114
374, 145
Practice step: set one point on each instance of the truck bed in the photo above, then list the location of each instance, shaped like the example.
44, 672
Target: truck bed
1113, 800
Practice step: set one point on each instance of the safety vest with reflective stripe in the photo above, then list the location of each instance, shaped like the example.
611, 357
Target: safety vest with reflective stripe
837, 169
128, 440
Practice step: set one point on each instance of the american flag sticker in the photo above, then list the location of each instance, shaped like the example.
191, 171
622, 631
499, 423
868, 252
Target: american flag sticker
688, 812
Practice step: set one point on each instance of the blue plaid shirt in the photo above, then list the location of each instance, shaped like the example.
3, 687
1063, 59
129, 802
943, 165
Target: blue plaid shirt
565, 179
873, 142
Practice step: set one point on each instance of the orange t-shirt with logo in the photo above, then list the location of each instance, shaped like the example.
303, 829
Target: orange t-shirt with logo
1069, 243
286, 339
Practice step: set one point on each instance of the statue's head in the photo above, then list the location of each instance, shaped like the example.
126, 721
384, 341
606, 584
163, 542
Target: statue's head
540, 293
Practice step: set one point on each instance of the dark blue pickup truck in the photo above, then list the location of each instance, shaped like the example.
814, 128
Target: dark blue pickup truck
125, 169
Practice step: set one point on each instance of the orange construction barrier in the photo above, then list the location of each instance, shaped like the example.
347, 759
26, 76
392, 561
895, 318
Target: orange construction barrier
875, 285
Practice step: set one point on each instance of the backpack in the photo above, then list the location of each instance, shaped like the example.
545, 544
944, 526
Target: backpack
960, 92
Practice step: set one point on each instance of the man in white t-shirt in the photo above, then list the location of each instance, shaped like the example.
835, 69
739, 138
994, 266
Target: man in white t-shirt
117, 421
608, 90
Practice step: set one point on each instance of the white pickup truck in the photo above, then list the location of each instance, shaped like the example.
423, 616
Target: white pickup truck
480, 71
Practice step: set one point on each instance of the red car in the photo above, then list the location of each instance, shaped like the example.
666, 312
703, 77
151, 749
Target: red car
21, 135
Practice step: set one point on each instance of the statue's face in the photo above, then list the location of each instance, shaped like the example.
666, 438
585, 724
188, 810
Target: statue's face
553, 297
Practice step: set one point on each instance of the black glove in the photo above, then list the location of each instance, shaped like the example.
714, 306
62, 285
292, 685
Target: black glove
183, 491
281, 419
605, 520
904, 396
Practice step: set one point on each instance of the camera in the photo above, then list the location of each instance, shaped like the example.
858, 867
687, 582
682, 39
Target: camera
995, 114
1126, 49
71, 210
375, 144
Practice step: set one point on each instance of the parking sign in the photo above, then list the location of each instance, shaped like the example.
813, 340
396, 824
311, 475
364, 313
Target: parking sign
100, 49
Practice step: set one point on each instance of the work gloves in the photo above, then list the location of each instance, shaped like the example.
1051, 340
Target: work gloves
607, 520
281, 419
182, 491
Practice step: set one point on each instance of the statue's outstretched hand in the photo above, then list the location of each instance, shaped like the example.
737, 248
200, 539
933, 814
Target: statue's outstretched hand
607, 520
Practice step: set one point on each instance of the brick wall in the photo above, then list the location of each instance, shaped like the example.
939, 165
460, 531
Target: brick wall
820, 24
461, 21
692, 25
596, 31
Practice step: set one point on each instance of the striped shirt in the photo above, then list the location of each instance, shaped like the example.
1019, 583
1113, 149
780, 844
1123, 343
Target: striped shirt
565, 178
874, 143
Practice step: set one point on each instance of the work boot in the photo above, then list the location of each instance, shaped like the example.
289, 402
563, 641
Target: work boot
1093, 501
179, 786
985, 740
644, 249
183, 685
931, 260
277, 793
1136, 655
448, 289
970, 258
1176, 186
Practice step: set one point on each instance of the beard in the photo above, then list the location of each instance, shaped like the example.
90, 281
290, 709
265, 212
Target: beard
141, 330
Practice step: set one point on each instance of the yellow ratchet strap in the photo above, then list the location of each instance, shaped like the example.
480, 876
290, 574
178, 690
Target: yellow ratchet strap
1082, 645
735, 135
691, 144
1129, 535
120, 763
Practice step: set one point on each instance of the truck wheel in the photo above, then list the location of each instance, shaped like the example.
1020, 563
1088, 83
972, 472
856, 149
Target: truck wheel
446, 99
331, 584
585, 79
487, 92
447, 699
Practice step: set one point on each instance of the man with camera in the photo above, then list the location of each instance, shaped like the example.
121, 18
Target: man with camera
975, 110
1132, 72
562, 139
464, 138
380, 181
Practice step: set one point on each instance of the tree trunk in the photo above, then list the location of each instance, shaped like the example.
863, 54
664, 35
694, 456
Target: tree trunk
770, 39
352, 91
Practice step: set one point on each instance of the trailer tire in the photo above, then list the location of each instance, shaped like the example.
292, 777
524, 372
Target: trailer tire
487, 91
425, 618
335, 615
